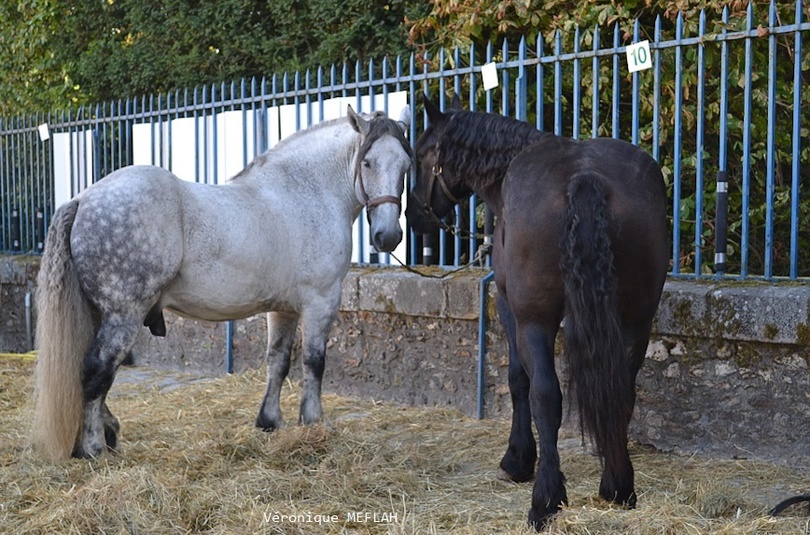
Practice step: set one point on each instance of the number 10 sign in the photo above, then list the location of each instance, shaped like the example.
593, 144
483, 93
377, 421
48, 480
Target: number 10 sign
638, 56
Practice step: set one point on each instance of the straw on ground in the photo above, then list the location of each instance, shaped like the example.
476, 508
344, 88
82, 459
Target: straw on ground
192, 462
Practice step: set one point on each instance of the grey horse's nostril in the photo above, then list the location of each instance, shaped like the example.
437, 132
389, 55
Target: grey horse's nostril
386, 242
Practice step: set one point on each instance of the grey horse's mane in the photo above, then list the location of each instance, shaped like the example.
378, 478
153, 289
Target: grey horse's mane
375, 133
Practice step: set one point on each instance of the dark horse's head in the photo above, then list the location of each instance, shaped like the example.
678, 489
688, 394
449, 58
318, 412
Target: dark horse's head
437, 190
461, 152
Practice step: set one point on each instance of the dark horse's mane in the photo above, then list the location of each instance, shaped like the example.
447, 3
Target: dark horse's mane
479, 147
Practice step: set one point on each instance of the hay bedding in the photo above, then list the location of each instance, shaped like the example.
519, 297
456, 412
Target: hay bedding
191, 462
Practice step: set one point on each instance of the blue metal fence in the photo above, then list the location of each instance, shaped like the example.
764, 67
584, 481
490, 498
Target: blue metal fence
723, 99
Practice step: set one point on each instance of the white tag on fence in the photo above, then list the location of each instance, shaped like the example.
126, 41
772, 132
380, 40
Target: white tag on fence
44, 132
489, 72
638, 56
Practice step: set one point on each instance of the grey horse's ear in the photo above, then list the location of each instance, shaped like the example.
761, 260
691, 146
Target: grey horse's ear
455, 104
359, 124
405, 119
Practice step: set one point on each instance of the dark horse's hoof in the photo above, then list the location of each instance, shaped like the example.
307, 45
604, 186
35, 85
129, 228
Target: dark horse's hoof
625, 497
628, 501
513, 469
546, 504
503, 475
539, 519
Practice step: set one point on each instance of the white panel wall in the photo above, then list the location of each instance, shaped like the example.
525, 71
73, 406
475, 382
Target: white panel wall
73, 164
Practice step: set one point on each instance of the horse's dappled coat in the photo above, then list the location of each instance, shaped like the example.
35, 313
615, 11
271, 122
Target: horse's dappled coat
276, 238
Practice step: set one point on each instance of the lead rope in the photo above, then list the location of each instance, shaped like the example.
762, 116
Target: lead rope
483, 250
479, 258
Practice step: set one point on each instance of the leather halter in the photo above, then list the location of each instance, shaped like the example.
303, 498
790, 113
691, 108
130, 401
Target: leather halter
370, 203
436, 176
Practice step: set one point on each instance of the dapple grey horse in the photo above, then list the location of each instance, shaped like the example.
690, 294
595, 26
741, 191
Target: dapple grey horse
276, 238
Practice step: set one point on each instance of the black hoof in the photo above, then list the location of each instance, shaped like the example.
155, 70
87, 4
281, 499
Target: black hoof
266, 424
623, 495
539, 519
624, 499
111, 438
517, 471
81, 453
547, 504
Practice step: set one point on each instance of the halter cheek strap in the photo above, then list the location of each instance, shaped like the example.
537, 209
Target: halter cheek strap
436, 176
370, 203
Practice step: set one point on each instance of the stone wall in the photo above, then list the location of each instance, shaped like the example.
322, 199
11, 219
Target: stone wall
17, 278
727, 373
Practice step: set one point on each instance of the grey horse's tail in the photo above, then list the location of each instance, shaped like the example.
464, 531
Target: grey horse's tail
65, 331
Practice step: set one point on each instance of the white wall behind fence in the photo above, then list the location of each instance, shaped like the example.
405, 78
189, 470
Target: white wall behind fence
72, 164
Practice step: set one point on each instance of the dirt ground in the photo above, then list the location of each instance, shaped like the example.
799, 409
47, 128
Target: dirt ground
191, 461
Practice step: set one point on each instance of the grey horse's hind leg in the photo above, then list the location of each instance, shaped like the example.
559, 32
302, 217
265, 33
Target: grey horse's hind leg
111, 426
280, 335
100, 428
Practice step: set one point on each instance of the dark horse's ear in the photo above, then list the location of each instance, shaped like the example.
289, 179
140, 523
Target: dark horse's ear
455, 104
435, 115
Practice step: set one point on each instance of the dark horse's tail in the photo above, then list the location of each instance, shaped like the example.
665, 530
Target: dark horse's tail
598, 368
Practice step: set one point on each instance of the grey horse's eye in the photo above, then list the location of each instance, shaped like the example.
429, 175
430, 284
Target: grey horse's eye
366, 164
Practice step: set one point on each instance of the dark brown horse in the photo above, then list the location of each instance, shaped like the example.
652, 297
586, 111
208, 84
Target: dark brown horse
580, 233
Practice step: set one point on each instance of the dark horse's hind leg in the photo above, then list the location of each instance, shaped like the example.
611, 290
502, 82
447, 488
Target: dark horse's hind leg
536, 347
618, 478
111, 345
518, 462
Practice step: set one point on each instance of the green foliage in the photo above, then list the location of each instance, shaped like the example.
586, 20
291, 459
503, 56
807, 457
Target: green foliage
157, 46
34, 77
59, 53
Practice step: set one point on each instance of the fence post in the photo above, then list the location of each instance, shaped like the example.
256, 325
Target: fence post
16, 244
721, 224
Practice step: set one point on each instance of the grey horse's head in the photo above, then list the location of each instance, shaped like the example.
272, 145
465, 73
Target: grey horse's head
381, 163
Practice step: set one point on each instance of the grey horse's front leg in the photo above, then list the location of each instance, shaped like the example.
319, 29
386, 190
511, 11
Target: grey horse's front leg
280, 335
316, 330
